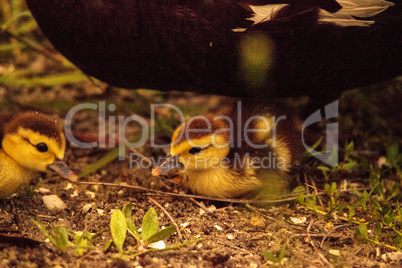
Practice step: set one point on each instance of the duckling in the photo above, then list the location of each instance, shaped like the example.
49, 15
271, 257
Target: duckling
230, 156
31, 142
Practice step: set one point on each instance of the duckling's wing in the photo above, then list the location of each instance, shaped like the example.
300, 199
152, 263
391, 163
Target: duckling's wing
274, 183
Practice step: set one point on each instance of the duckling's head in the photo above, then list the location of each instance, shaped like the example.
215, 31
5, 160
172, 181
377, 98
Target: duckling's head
36, 142
199, 144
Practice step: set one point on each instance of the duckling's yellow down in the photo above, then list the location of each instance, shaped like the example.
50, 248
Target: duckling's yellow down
12, 175
31, 142
216, 157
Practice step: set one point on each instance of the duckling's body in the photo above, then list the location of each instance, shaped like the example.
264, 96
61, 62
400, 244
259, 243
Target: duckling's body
223, 156
221, 182
31, 142
12, 175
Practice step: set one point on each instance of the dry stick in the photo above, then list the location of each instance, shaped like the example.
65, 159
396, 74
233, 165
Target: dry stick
202, 206
169, 216
315, 190
156, 192
330, 231
185, 195
235, 247
314, 247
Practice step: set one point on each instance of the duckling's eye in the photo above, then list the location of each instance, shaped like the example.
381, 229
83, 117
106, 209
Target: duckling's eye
42, 147
195, 150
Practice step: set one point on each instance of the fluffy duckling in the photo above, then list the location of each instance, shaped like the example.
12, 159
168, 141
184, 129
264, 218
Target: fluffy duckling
230, 156
31, 142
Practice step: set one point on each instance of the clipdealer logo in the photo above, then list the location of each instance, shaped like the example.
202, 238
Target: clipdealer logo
112, 128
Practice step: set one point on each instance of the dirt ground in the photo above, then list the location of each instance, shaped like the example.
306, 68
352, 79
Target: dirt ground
234, 235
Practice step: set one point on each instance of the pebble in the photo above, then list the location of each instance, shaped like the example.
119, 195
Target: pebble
53, 202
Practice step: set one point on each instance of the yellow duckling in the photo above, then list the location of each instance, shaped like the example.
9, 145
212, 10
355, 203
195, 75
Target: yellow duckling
230, 156
31, 142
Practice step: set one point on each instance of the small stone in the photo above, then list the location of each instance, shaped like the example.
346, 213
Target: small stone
43, 191
218, 227
381, 161
53, 202
258, 222
334, 252
158, 245
329, 225
395, 256
86, 208
90, 194
121, 192
299, 220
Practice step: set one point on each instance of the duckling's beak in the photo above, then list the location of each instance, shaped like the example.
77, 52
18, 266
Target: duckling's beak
171, 163
63, 170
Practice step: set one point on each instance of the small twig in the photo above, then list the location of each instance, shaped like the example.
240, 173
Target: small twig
330, 231
240, 201
202, 206
46, 216
314, 247
234, 247
315, 190
236, 201
169, 216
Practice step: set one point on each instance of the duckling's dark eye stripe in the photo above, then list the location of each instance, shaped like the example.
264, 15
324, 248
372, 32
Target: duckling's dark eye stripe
196, 150
41, 147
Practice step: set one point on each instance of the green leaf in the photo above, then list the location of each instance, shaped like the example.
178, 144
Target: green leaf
107, 245
387, 219
118, 228
386, 209
299, 189
150, 224
315, 145
398, 242
311, 200
352, 212
349, 165
270, 256
376, 204
333, 187
130, 224
300, 199
282, 252
161, 235
362, 232
356, 192
350, 147
61, 238
323, 168
392, 153
378, 230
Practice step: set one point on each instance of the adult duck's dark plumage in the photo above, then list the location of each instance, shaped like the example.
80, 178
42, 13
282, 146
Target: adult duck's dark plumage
214, 46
